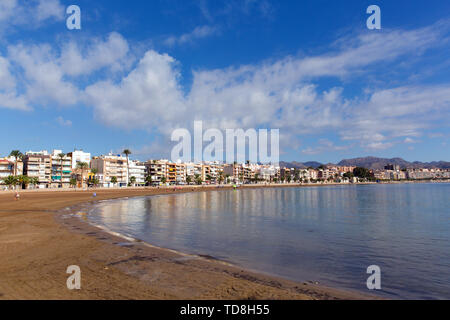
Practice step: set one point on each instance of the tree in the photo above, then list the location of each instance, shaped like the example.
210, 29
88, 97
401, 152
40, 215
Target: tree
188, 179
113, 180
127, 152
17, 156
363, 173
23, 181
95, 181
132, 180
149, 180
11, 181
61, 157
349, 175
82, 166
34, 181
198, 179
163, 180
73, 182
221, 178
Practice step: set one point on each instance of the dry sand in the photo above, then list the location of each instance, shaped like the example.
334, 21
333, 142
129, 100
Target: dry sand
37, 245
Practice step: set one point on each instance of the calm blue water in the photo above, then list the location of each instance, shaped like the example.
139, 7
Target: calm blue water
325, 234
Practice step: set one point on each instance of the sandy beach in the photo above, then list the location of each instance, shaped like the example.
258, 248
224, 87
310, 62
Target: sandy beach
37, 244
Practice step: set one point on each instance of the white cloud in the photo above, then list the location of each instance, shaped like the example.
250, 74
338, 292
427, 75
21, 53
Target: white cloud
148, 96
198, 33
62, 122
29, 14
280, 94
409, 140
9, 97
283, 93
50, 9
324, 145
45, 78
112, 53
50, 77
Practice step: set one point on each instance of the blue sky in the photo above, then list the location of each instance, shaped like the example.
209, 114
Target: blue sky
139, 69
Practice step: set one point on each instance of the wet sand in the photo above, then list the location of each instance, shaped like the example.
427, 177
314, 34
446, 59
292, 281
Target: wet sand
37, 244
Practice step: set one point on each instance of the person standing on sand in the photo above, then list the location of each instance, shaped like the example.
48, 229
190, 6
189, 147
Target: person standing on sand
17, 196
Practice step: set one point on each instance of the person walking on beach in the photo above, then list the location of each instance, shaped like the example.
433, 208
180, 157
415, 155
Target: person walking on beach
17, 196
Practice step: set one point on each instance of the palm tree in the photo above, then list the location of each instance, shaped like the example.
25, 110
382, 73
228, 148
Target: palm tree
94, 171
82, 166
17, 156
34, 181
163, 180
11, 181
95, 181
188, 180
61, 157
221, 178
149, 180
198, 179
127, 152
132, 180
73, 183
113, 180
23, 181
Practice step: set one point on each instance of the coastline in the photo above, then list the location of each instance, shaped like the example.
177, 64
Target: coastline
38, 242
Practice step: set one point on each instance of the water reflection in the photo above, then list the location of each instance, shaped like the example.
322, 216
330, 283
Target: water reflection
329, 234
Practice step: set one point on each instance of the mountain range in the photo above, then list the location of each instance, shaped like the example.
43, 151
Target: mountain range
370, 163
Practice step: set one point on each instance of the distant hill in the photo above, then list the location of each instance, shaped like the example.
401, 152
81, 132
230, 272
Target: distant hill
300, 165
370, 163
380, 163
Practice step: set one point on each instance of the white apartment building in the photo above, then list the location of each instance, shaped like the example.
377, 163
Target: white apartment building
6, 168
59, 165
79, 156
137, 169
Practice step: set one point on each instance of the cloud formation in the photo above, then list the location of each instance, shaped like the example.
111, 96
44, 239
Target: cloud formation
286, 93
198, 33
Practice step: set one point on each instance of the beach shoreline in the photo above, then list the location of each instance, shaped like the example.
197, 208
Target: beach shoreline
39, 240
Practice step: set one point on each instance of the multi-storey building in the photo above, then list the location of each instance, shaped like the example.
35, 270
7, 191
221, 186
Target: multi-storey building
157, 170
61, 169
6, 168
17, 165
79, 156
171, 173
137, 170
38, 165
109, 166
181, 173
267, 173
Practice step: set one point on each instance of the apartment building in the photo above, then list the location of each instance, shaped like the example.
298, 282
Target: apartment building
267, 173
137, 170
171, 173
241, 173
109, 166
6, 168
79, 156
61, 169
181, 173
157, 170
38, 165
